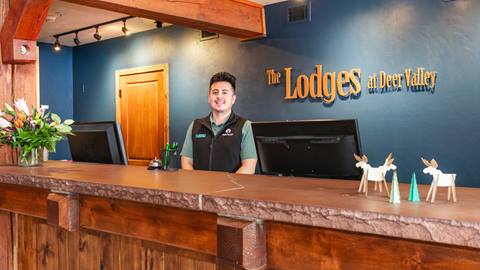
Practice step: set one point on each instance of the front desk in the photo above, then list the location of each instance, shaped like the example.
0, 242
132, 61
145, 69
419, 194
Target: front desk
67, 215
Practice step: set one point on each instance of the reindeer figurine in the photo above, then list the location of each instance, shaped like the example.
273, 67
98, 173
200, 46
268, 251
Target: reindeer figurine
439, 180
374, 174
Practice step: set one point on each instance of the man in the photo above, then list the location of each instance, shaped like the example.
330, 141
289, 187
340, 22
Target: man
221, 141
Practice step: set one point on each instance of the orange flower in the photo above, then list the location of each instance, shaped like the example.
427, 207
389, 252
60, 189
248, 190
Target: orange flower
21, 116
18, 123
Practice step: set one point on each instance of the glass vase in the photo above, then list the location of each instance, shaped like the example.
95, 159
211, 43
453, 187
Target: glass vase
30, 159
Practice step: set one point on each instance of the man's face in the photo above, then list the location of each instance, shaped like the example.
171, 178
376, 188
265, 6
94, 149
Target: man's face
221, 97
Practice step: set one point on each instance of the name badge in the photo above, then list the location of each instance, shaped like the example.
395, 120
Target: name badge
200, 136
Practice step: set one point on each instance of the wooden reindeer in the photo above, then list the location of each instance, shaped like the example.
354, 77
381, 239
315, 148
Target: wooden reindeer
376, 174
439, 180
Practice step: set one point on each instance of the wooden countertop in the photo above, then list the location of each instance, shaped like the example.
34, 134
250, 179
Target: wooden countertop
318, 202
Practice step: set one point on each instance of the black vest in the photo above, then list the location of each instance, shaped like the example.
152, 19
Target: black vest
221, 152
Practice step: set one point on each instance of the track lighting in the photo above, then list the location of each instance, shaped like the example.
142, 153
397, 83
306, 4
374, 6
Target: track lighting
56, 46
124, 28
97, 35
158, 24
76, 40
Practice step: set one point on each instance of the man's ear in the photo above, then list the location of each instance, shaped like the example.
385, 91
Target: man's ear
234, 98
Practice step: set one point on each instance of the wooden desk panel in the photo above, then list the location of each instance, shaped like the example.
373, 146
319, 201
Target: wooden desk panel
347, 230
293, 246
327, 203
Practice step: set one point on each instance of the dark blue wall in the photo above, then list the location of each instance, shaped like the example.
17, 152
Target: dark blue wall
373, 35
56, 88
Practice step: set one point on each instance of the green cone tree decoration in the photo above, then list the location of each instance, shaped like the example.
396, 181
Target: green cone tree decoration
414, 196
395, 192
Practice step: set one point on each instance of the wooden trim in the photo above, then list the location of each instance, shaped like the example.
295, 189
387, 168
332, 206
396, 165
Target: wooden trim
6, 88
37, 77
264, 29
179, 251
46, 247
291, 246
24, 200
131, 71
63, 211
250, 3
167, 104
241, 243
176, 227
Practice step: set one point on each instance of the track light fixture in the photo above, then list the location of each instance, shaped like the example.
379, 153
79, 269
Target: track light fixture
124, 28
97, 35
76, 40
158, 24
56, 46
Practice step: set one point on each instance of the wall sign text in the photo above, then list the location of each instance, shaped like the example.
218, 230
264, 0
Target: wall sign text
328, 85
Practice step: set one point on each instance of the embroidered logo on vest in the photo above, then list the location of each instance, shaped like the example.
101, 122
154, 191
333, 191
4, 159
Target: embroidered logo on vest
228, 132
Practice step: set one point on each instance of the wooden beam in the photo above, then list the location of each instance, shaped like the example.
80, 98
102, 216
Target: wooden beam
20, 30
241, 243
177, 227
293, 246
6, 91
41, 246
237, 18
63, 211
24, 200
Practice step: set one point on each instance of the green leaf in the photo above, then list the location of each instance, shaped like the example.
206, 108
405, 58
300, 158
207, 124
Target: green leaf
68, 122
63, 128
56, 118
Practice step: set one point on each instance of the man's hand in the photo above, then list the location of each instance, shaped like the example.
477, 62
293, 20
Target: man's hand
248, 166
187, 163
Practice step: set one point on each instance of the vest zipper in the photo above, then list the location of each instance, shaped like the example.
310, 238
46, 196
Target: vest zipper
210, 159
210, 165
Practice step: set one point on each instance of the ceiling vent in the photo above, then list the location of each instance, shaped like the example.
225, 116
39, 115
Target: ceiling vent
299, 11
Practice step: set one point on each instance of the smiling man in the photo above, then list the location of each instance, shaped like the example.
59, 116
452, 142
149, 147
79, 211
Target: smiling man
221, 141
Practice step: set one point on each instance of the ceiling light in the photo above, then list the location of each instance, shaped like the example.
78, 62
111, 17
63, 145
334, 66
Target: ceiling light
97, 35
76, 40
159, 24
56, 46
124, 28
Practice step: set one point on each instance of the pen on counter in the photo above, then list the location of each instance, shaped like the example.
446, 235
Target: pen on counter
167, 149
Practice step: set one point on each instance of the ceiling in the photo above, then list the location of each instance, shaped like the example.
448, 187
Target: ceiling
64, 17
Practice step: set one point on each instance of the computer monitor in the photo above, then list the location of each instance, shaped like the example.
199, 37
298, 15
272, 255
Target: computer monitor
313, 148
99, 142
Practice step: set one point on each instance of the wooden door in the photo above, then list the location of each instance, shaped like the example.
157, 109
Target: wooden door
142, 110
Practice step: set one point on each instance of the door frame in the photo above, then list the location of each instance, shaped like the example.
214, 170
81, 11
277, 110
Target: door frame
143, 69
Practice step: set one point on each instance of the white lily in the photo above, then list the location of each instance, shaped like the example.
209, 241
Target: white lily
43, 109
4, 123
21, 105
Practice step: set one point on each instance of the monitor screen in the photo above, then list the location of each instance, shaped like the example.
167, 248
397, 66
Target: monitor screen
99, 142
313, 148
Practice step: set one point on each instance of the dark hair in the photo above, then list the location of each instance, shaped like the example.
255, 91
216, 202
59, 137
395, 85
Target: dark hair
223, 77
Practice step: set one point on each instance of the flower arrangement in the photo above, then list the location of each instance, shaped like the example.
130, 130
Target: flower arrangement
31, 131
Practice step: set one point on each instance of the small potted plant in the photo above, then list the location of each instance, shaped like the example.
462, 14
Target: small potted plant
29, 132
